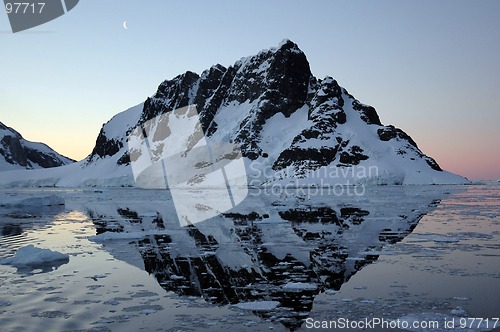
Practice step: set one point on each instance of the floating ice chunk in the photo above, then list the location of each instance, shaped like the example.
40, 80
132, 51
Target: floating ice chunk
176, 277
32, 256
298, 286
5, 303
368, 301
437, 238
444, 239
258, 305
360, 287
149, 311
458, 311
461, 298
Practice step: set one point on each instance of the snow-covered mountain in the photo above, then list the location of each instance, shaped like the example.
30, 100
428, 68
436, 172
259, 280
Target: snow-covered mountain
18, 153
291, 127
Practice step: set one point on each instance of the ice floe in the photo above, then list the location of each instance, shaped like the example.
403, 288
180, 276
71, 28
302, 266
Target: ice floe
32, 256
258, 305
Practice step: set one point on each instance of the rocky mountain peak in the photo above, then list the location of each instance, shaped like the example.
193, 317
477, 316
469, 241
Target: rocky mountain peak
280, 75
284, 119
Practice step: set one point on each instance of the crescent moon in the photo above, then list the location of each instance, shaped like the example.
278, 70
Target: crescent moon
125, 25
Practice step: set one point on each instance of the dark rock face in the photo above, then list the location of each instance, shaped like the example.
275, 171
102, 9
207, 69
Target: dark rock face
17, 151
368, 113
170, 95
217, 99
432, 163
13, 151
353, 156
105, 147
390, 132
43, 159
325, 113
288, 78
275, 81
279, 80
306, 158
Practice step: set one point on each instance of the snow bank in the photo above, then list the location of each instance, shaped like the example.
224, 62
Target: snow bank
33, 256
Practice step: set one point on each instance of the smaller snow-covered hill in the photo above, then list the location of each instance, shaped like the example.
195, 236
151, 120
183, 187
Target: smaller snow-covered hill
17, 153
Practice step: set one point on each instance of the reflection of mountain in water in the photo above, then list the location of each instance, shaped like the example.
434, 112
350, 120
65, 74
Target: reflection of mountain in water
285, 250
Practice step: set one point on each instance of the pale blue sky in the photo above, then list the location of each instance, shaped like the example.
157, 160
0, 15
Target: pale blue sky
431, 68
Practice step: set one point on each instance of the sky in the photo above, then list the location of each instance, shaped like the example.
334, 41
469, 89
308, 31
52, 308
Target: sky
431, 68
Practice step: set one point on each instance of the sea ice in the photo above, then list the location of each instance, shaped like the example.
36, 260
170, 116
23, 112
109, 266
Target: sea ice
437, 238
459, 311
300, 286
258, 305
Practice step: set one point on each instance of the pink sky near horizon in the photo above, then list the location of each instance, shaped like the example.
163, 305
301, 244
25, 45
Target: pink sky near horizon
475, 163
